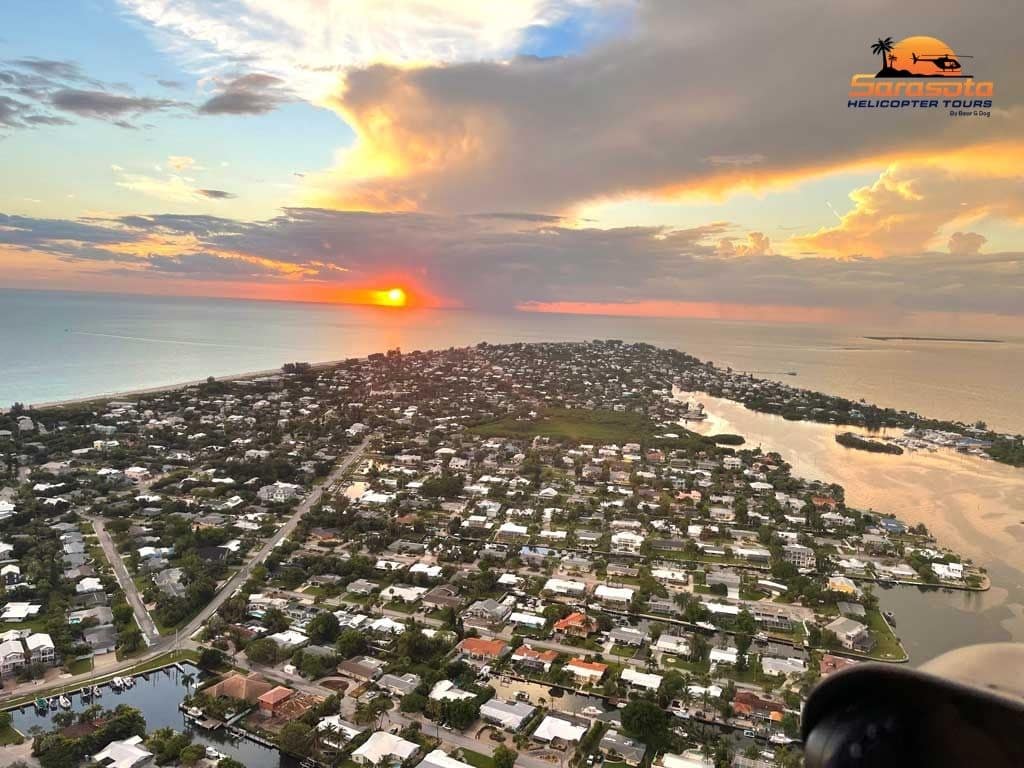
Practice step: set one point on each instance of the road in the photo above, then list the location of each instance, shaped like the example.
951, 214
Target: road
286, 530
131, 592
162, 644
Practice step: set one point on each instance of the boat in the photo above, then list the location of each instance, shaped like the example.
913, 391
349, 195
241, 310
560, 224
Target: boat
592, 711
213, 754
41, 704
889, 617
64, 702
97, 691
195, 712
53, 702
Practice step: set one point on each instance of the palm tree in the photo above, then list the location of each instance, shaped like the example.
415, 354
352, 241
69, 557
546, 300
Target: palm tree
882, 47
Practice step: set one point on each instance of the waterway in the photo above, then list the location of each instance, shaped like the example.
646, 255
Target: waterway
158, 698
972, 505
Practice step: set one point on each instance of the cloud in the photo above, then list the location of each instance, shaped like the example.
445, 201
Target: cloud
216, 194
966, 243
308, 43
51, 68
104, 105
181, 162
907, 209
504, 263
756, 244
252, 94
696, 100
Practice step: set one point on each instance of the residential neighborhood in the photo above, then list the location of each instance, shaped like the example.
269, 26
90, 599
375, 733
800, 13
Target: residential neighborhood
485, 556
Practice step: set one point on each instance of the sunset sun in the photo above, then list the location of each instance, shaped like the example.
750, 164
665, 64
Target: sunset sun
392, 297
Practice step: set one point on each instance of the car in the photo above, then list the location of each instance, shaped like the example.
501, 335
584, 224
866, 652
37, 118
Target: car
750, 734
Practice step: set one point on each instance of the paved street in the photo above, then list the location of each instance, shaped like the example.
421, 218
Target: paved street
161, 644
131, 592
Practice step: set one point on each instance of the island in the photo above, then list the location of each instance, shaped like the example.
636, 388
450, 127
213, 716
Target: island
850, 440
381, 558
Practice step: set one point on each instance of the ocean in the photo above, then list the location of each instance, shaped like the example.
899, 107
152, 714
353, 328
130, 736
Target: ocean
63, 345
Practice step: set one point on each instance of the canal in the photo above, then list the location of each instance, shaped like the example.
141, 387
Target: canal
158, 698
972, 505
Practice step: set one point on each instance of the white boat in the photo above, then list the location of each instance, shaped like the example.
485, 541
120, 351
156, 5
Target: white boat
195, 712
64, 702
97, 691
592, 711
213, 754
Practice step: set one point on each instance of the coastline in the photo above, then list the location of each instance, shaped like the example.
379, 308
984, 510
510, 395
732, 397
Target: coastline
105, 396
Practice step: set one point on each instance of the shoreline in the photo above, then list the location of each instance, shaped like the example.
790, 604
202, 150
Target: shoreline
128, 393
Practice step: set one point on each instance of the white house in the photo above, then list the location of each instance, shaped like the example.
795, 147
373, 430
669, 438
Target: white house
383, 748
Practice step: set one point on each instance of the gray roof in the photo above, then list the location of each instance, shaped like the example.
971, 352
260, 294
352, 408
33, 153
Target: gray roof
613, 741
404, 684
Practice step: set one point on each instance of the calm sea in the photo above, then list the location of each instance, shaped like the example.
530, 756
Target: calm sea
57, 346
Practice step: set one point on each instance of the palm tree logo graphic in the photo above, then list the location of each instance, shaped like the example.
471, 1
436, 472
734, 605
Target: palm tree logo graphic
883, 47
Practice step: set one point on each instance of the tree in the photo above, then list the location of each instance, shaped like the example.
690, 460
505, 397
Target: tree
882, 47
275, 620
192, 754
350, 642
459, 714
262, 651
648, 722
323, 628
296, 739
211, 658
229, 762
504, 757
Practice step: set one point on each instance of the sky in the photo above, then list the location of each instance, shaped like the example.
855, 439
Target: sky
633, 157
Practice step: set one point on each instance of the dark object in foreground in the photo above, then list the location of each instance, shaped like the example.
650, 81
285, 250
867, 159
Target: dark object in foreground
965, 708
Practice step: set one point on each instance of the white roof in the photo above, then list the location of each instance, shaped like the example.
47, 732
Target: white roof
642, 679
623, 594
38, 640
440, 759
552, 727
382, 744
446, 690
123, 754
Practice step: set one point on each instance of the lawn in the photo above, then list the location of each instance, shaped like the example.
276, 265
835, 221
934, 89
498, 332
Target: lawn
10, 736
694, 667
581, 425
80, 666
624, 651
477, 759
886, 645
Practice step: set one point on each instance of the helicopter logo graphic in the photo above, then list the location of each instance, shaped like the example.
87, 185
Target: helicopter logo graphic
918, 73
918, 56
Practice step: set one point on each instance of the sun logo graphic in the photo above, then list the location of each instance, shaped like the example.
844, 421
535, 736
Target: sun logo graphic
921, 72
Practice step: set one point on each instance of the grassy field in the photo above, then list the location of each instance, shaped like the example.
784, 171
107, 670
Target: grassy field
577, 424
887, 647
477, 759
10, 736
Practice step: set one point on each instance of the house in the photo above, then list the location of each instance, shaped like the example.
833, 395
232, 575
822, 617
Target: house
628, 636
576, 624
362, 668
565, 587
17, 611
336, 732
676, 644
842, 585
627, 542
852, 635
247, 688
799, 555
40, 649
563, 728
619, 748
510, 715
123, 754
752, 705
102, 639
399, 685
384, 749
645, 681
278, 493
489, 612
483, 650
616, 596
12, 657
440, 759
270, 702
443, 596
525, 656
446, 690
783, 667
830, 664
289, 639
586, 672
